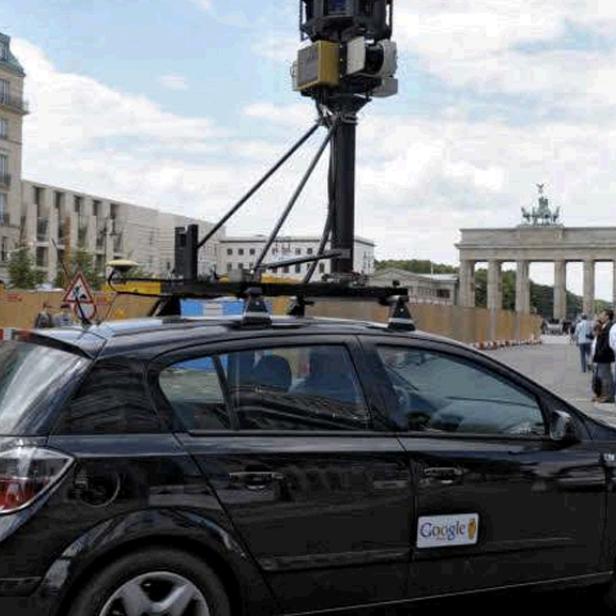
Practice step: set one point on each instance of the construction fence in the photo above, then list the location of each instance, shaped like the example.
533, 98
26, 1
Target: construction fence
18, 309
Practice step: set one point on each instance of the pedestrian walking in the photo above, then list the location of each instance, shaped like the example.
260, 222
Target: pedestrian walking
604, 356
65, 317
44, 319
584, 336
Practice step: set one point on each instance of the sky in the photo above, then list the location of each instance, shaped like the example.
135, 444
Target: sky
182, 104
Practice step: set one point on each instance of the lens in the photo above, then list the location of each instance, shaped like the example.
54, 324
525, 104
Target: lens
26, 473
336, 7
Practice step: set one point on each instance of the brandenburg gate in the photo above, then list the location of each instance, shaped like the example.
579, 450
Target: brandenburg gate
540, 238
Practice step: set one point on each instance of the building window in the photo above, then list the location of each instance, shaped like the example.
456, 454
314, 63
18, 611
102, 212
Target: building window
3, 209
253, 251
310, 251
443, 293
240, 251
321, 268
4, 51
251, 265
298, 268
78, 201
240, 266
96, 208
4, 128
298, 251
4, 165
5, 89
285, 269
229, 251
229, 267
4, 250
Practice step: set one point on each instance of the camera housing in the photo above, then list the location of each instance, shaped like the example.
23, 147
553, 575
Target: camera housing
342, 20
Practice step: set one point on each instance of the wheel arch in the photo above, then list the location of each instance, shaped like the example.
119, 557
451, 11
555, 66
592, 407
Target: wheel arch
200, 550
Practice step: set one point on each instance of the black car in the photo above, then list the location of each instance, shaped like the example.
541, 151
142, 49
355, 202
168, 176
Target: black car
178, 467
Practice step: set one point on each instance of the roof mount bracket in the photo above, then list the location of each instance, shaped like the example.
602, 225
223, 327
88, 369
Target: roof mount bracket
401, 318
255, 308
297, 306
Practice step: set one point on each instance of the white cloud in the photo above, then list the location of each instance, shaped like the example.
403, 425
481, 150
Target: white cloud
173, 82
205, 5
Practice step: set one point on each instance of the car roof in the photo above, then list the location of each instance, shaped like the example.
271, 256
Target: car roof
153, 336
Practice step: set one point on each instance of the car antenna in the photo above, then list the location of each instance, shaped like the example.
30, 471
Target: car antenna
81, 314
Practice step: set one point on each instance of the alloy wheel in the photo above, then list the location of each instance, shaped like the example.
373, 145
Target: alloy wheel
158, 593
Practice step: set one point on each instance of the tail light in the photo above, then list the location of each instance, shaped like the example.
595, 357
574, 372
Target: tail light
26, 473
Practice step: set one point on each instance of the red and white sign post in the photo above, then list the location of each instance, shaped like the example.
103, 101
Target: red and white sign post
81, 298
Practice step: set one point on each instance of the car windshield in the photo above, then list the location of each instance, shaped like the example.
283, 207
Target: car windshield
33, 379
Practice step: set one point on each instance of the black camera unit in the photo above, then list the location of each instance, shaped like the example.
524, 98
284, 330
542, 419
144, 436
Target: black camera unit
341, 20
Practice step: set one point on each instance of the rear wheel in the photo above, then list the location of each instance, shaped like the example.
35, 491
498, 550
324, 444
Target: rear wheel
153, 582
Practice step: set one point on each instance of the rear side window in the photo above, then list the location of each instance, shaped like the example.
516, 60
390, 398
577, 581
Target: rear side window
286, 388
33, 380
112, 400
439, 392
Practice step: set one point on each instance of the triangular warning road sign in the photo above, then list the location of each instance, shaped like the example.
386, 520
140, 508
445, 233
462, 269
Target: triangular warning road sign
79, 291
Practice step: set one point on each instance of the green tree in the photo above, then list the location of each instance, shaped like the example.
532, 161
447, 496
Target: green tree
22, 271
417, 266
80, 260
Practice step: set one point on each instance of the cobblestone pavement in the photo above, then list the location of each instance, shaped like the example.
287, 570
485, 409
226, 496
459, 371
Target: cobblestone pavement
556, 365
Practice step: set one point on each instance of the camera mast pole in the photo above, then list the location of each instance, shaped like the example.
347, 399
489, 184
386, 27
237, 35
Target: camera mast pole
351, 60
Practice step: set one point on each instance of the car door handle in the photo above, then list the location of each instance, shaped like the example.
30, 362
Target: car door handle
446, 475
256, 480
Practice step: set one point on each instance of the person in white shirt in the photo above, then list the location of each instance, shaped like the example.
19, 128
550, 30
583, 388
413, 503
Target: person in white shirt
584, 337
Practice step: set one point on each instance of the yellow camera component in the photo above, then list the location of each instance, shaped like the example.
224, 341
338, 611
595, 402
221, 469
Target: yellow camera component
318, 65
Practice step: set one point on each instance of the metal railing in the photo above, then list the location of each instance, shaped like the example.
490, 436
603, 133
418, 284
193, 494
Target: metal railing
15, 103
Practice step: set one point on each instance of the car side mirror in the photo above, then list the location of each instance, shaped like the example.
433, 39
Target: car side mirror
562, 428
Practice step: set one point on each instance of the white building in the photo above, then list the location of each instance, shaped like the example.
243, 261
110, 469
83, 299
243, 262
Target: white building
423, 288
241, 252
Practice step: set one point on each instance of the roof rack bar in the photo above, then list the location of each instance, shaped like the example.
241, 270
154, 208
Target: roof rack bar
205, 289
260, 183
296, 195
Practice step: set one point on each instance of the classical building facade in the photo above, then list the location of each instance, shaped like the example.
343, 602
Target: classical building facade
423, 288
57, 221
541, 239
13, 108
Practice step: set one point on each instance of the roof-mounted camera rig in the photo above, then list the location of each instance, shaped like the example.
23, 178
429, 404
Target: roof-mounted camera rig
346, 58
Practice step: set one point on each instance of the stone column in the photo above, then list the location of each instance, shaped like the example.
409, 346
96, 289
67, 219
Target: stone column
560, 290
467, 284
495, 292
522, 287
589, 288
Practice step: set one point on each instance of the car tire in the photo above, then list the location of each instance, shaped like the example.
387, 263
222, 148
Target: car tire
155, 573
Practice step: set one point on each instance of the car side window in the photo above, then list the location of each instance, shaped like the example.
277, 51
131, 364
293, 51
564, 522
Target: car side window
194, 391
296, 388
113, 399
283, 388
436, 392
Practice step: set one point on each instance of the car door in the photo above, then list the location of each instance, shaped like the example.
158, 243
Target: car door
497, 502
282, 429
